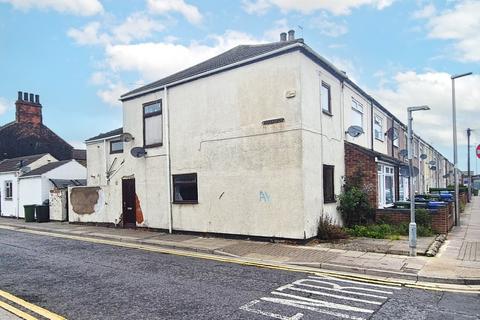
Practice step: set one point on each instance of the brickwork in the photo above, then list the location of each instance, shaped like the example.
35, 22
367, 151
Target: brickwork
442, 218
358, 161
28, 112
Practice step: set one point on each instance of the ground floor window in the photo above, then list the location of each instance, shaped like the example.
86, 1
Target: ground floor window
386, 185
403, 189
8, 190
185, 188
328, 184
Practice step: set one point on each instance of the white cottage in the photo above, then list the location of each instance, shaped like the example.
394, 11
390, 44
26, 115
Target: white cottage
34, 186
10, 170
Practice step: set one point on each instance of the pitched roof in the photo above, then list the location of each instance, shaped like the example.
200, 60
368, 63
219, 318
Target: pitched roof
46, 168
13, 164
79, 154
112, 133
234, 55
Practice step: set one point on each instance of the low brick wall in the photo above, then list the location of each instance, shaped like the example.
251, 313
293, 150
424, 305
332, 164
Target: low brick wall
442, 218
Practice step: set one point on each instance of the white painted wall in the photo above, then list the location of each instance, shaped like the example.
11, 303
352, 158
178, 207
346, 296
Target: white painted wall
30, 192
8, 207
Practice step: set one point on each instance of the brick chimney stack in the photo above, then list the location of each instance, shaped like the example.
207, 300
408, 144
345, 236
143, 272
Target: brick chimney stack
28, 108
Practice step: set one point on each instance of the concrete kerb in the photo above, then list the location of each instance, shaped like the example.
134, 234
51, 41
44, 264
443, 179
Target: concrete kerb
338, 269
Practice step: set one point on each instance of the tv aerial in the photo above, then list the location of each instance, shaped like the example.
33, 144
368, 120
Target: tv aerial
354, 131
423, 156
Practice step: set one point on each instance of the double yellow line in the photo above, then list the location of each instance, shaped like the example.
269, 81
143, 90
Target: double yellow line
28, 306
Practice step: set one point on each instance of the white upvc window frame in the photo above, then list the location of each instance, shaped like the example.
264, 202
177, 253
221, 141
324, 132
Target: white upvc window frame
385, 171
378, 127
395, 137
357, 109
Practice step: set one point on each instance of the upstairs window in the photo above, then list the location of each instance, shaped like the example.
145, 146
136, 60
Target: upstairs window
395, 137
8, 190
185, 189
378, 128
116, 146
328, 184
326, 99
357, 114
153, 124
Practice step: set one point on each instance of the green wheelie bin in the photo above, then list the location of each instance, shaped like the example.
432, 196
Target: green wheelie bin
29, 212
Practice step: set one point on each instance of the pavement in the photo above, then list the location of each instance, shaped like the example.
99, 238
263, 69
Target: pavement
71, 279
458, 261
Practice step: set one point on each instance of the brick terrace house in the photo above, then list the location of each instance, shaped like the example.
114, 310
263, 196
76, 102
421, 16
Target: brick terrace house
27, 135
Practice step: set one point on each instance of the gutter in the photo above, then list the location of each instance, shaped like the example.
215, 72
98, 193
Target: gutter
102, 139
206, 73
169, 161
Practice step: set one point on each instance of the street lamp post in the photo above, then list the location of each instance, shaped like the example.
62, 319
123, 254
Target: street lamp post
412, 228
469, 132
455, 153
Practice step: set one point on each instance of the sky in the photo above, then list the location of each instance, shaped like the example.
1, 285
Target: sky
81, 55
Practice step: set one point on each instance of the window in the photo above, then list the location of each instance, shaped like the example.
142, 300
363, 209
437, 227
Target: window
386, 188
395, 137
116, 146
152, 124
8, 190
328, 184
325, 98
357, 114
185, 188
378, 128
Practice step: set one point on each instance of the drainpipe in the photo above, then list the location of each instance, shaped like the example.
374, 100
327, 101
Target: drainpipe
105, 162
169, 161
18, 194
371, 123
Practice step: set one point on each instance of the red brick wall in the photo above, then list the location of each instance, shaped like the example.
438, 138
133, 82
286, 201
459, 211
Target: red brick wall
27, 112
442, 218
358, 162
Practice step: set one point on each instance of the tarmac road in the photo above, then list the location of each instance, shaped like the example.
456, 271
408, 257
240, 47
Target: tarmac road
82, 280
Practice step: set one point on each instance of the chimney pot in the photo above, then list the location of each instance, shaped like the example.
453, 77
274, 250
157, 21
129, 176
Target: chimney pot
20, 93
25, 96
291, 35
31, 97
283, 36
37, 99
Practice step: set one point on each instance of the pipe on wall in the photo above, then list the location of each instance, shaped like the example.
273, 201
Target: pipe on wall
169, 161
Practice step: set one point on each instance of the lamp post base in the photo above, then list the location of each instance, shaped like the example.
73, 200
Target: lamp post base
412, 238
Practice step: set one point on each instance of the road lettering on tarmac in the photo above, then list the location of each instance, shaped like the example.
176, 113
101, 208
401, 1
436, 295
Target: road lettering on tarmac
333, 297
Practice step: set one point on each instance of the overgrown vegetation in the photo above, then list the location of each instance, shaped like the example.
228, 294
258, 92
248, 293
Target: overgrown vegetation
354, 205
328, 230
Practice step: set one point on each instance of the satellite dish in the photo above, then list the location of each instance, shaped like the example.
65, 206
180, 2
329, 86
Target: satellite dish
432, 162
354, 131
433, 168
24, 170
405, 171
391, 134
423, 156
403, 153
138, 152
127, 137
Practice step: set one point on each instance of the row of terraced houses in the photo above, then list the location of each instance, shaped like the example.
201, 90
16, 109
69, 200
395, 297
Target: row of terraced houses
251, 142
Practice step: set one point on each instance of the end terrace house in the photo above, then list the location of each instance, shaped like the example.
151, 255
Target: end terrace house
250, 142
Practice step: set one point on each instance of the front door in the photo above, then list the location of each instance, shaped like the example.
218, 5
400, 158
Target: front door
128, 198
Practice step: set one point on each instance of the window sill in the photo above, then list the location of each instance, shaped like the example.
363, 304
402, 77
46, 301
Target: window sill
186, 202
330, 201
327, 113
153, 145
116, 152
8, 199
379, 139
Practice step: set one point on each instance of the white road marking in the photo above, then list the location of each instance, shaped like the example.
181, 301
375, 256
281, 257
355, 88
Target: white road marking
302, 283
292, 287
325, 304
325, 295
248, 307
310, 306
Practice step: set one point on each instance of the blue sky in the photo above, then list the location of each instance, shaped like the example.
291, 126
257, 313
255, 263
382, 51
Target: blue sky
80, 55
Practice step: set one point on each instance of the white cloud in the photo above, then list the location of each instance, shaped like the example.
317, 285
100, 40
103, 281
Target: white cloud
433, 89
190, 12
89, 34
426, 12
154, 60
460, 24
76, 7
337, 7
3, 105
112, 93
137, 26
328, 27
